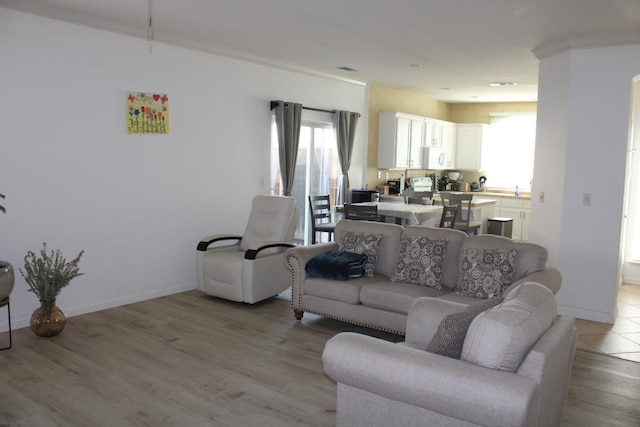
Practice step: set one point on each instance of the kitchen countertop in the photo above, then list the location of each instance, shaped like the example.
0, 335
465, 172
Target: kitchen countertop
477, 201
477, 194
502, 195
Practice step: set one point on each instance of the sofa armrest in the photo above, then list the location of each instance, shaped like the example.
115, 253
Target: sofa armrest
450, 387
296, 259
549, 277
424, 317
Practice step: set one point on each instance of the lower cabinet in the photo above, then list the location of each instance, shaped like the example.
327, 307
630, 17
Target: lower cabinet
519, 210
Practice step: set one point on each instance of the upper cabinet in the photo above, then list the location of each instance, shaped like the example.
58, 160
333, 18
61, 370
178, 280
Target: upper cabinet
470, 138
400, 141
440, 140
449, 145
406, 141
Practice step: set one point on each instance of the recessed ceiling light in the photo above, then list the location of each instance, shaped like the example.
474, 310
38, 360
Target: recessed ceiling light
347, 69
445, 88
496, 84
414, 65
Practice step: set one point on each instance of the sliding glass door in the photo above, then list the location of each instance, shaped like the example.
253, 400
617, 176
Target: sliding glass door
317, 171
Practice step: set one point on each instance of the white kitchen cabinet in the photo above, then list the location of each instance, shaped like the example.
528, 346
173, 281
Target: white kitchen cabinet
400, 141
519, 210
432, 133
449, 145
470, 137
441, 136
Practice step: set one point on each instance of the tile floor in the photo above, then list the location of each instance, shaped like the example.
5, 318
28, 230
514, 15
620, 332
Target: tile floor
621, 339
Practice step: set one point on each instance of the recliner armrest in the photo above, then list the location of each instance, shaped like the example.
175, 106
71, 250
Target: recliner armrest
251, 254
206, 241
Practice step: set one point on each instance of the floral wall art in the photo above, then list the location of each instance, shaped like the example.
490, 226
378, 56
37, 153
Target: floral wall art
147, 113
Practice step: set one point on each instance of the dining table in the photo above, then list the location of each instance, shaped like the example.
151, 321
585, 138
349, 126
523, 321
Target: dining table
406, 213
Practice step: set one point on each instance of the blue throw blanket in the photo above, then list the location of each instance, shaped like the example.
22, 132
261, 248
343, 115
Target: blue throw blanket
336, 265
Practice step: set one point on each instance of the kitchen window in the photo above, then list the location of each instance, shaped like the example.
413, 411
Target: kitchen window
317, 170
508, 156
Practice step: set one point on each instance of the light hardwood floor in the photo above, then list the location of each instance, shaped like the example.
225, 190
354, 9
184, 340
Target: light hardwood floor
192, 360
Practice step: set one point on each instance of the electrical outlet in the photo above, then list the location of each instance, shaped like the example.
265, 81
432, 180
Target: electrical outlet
386, 175
542, 197
379, 174
586, 199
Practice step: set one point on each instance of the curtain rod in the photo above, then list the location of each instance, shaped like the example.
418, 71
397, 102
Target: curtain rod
274, 104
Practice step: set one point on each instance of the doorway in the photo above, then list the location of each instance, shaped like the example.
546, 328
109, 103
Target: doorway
631, 203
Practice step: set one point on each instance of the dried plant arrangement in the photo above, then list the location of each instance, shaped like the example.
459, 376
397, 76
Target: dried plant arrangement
47, 274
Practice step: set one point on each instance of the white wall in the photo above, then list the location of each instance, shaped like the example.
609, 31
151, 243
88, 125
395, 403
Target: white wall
583, 126
137, 204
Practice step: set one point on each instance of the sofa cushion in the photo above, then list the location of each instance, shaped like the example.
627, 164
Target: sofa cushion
452, 330
486, 273
531, 257
362, 243
420, 261
397, 297
501, 337
387, 247
345, 291
455, 239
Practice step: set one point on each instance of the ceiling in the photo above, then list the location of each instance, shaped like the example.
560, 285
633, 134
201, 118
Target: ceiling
456, 47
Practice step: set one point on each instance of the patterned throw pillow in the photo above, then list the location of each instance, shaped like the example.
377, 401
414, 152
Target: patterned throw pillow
362, 243
452, 330
486, 273
420, 261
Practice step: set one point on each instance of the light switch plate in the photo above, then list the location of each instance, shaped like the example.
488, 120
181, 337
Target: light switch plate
586, 199
542, 197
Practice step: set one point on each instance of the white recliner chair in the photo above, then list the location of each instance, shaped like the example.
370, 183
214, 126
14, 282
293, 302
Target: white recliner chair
251, 268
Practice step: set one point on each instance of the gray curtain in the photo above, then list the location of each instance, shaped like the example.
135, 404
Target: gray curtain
345, 124
288, 118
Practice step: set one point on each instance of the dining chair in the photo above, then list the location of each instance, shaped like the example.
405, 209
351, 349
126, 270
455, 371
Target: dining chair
320, 210
448, 217
418, 197
361, 212
463, 218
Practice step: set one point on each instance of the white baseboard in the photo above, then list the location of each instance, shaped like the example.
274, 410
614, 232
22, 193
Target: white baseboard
581, 313
70, 311
631, 279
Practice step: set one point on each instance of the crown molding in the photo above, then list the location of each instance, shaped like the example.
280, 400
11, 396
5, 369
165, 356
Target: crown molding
586, 42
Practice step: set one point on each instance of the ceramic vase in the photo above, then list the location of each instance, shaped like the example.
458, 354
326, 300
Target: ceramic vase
7, 279
47, 320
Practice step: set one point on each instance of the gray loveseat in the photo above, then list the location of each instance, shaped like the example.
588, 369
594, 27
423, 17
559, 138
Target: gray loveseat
377, 301
514, 367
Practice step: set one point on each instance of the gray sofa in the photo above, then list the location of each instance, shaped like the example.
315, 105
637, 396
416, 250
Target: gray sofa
378, 302
514, 368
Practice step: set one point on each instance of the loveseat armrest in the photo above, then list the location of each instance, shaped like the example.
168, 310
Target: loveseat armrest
450, 387
424, 317
296, 259
549, 277
205, 242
